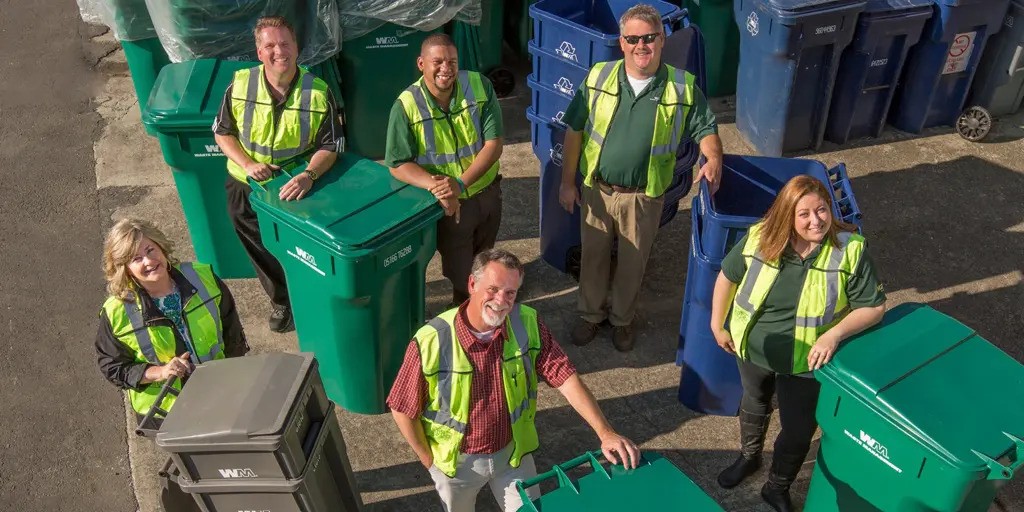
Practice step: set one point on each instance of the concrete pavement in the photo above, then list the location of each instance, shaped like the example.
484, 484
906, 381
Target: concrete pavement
943, 217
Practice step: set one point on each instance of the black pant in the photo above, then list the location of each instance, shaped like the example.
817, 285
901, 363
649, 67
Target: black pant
476, 231
268, 269
798, 398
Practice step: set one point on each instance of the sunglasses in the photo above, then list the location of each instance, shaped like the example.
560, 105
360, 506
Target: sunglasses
646, 38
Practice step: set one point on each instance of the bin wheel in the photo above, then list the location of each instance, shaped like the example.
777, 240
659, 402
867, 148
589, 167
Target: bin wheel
572, 262
974, 123
503, 80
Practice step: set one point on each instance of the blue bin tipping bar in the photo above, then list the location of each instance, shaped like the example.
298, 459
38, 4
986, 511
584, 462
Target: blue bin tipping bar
586, 32
789, 56
999, 84
941, 66
870, 67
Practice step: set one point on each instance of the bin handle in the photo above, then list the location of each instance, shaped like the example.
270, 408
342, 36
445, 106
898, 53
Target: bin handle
841, 179
144, 428
999, 471
283, 164
563, 479
680, 15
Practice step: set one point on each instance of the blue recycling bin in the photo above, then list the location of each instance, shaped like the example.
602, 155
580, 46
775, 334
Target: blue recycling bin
999, 84
870, 67
709, 380
941, 66
789, 57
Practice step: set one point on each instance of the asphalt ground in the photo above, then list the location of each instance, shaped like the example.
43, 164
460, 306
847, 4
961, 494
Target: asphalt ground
943, 217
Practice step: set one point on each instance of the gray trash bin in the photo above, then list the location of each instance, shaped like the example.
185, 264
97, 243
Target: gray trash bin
246, 417
999, 83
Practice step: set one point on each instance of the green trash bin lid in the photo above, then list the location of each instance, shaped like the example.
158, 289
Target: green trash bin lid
933, 377
188, 95
255, 395
350, 208
655, 485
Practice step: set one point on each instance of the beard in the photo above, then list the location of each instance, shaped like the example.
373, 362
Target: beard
494, 318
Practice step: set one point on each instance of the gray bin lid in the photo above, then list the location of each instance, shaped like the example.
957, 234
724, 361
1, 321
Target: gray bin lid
235, 401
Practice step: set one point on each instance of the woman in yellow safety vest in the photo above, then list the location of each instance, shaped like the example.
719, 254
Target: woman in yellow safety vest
792, 289
162, 317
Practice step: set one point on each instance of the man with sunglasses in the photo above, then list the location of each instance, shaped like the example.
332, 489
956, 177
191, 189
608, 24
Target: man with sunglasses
625, 126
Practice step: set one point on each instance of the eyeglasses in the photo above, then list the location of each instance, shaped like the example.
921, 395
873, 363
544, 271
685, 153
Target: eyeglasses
646, 38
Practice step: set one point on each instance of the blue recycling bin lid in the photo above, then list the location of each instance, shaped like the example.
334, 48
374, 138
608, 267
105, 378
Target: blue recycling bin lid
801, 6
879, 6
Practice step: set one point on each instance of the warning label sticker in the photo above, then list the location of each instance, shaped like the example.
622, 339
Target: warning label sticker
959, 53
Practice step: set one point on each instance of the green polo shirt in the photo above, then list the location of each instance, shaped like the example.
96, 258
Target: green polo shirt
401, 141
771, 340
627, 148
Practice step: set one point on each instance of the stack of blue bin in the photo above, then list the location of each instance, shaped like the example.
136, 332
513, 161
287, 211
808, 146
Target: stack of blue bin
710, 381
570, 36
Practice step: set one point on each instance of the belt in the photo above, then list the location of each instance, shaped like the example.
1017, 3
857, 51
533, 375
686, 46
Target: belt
617, 188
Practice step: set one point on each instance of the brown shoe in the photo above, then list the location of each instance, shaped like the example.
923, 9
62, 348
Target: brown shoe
622, 338
583, 332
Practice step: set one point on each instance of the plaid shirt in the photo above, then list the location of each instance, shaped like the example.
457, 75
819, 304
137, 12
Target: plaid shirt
489, 428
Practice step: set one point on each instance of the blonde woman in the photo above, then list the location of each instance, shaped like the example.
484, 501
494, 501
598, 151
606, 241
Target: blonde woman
797, 285
162, 317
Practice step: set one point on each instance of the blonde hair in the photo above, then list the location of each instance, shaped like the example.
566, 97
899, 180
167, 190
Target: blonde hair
271, 22
121, 245
643, 12
777, 228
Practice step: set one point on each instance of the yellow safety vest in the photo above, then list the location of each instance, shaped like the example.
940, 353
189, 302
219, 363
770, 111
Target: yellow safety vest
156, 344
602, 85
449, 375
822, 302
265, 135
447, 142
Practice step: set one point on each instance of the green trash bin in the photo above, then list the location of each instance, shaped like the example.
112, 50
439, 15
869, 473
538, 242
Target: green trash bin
186, 98
480, 46
133, 27
355, 253
655, 485
917, 414
375, 68
721, 43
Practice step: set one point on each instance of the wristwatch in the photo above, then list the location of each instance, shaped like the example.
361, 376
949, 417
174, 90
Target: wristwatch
312, 174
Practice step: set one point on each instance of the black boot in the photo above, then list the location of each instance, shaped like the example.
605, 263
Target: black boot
752, 430
776, 490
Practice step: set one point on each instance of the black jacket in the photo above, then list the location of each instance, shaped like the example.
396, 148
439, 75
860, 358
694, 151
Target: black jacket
117, 361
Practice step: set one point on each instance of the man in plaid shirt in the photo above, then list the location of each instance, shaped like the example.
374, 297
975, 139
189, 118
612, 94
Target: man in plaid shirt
468, 438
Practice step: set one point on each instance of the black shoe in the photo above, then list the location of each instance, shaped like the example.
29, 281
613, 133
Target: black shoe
281, 319
777, 497
775, 491
752, 431
583, 332
623, 338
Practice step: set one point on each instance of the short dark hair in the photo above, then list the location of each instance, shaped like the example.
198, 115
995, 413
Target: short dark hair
438, 39
272, 21
505, 258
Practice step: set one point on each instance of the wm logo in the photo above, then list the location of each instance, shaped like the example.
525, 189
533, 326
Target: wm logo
238, 473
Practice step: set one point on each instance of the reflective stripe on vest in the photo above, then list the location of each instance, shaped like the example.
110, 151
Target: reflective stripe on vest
448, 142
822, 301
602, 83
443, 415
259, 134
523, 340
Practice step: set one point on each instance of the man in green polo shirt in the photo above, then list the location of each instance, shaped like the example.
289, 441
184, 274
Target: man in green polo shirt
444, 135
625, 125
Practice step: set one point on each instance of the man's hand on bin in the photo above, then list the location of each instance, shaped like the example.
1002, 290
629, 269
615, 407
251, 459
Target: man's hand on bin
451, 207
260, 171
712, 172
296, 188
568, 196
445, 187
619, 449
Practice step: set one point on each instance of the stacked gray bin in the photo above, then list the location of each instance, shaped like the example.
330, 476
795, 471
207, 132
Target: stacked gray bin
258, 433
999, 82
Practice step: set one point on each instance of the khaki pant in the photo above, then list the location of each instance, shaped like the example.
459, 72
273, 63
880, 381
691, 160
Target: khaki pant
633, 219
473, 472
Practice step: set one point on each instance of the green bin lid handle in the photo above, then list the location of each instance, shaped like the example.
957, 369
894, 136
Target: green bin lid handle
999, 471
284, 166
563, 479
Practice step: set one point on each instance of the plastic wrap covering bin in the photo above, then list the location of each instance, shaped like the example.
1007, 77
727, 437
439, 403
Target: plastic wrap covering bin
938, 427
185, 101
360, 17
354, 252
789, 56
999, 84
870, 68
940, 68
655, 485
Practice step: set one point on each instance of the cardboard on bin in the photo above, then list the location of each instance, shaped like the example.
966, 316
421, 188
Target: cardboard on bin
252, 399
937, 380
188, 95
349, 207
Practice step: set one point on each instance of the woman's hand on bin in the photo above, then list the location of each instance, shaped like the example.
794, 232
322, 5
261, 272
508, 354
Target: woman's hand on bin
176, 367
724, 340
823, 350
296, 188
259, 171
